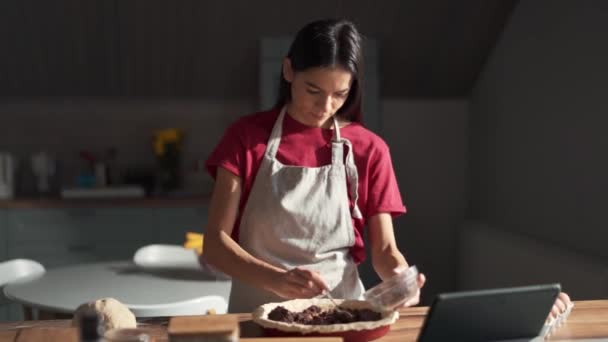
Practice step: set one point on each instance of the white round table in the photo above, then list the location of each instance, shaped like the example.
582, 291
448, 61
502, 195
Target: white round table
147, 293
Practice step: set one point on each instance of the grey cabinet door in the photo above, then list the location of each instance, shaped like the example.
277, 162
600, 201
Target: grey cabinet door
63, 236
4, 306
3, 234
274, 49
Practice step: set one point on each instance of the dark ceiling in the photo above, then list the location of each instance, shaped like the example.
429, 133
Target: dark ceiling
196, 48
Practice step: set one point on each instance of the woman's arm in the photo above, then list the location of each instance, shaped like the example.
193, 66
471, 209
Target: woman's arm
386, 257
221, 251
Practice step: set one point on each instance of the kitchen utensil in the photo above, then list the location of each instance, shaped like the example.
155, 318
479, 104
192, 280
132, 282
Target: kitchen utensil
328, 295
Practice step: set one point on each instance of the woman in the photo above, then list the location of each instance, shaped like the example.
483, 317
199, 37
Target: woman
295, 185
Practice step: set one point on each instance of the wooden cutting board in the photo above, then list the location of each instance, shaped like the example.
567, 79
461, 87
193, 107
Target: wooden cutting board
47, 334
8, 336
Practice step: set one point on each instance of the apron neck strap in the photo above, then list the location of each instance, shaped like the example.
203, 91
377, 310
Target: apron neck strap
337, 155
336, 129
277, 132
275, 136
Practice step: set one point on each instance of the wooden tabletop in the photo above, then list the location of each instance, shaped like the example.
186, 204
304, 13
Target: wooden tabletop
589, 319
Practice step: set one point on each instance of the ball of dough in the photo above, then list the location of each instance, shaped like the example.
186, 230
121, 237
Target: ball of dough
112, 314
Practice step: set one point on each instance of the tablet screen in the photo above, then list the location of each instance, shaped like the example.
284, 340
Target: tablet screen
489, 315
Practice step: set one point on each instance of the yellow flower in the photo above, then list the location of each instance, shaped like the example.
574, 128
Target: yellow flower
166, 136
159, 148
169, 135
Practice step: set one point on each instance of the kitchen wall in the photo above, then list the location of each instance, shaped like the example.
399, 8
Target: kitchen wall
535, 163
539, 141
210, 49
427, 51
64, 126
428, 142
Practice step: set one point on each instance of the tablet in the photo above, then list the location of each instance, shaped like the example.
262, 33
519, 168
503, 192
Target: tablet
489, 315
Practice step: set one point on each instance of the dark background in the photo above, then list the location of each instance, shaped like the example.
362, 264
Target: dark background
494, 111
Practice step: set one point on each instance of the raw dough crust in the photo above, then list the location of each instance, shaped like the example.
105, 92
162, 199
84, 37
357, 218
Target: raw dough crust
260, 316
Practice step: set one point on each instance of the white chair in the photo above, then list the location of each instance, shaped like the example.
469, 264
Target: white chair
18, 271
175, 257
198, 306
166, 256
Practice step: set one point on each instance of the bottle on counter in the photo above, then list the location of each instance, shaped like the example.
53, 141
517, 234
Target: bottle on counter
44, 168
7, 176
101, 175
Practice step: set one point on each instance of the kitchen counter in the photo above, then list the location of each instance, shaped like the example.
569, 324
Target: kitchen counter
148, 202
589, 319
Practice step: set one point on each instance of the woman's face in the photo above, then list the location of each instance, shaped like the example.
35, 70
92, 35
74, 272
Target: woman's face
316, 93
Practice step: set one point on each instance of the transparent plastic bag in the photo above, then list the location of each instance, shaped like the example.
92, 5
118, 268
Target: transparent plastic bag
395, 291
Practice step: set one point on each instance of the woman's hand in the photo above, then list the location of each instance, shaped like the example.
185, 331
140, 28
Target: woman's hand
298, 283
561, 305
416, 299
386, 257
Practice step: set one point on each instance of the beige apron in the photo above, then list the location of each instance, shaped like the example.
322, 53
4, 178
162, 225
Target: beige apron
300, 216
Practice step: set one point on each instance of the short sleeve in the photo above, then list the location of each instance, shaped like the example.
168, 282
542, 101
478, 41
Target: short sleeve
383, 190
229, 153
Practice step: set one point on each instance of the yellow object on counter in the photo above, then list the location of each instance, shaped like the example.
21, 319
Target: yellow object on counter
194, 241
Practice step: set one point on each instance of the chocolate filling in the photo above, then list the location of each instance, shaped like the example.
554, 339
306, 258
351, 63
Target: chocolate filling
313, 315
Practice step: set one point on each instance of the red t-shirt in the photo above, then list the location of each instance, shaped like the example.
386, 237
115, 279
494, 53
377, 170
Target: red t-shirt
242, 147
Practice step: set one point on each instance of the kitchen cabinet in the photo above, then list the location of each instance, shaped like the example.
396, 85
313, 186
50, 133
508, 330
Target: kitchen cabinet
59, 236
3, 237
5, 308
63, 236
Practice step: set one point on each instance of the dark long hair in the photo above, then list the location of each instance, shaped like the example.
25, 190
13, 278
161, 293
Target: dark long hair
328, 43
